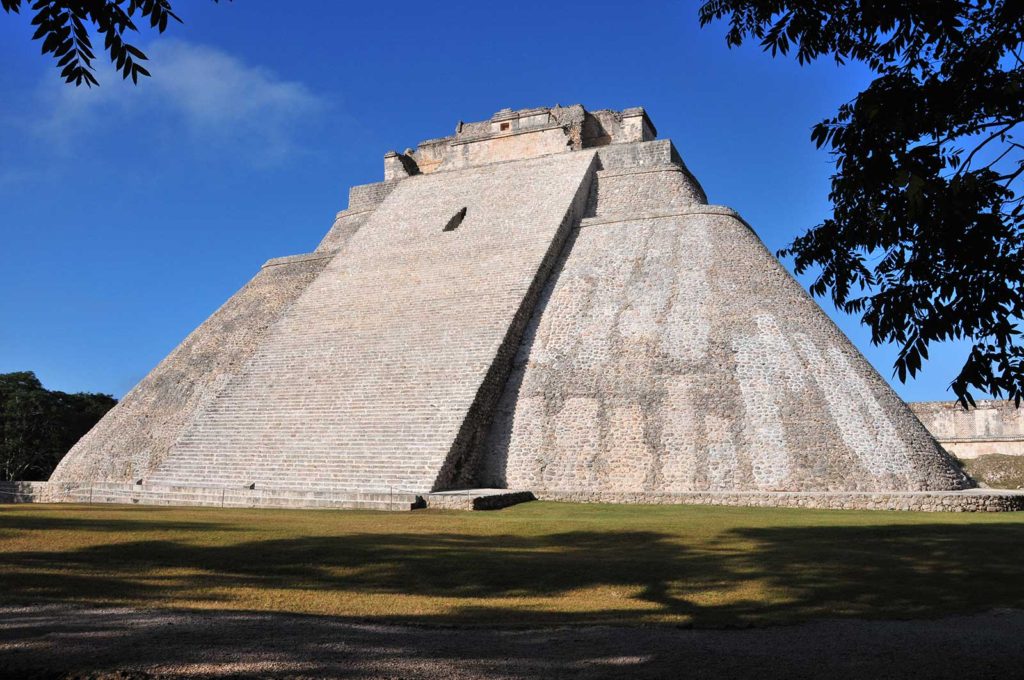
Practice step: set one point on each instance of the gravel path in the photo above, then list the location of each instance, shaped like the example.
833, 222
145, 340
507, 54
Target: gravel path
65, 642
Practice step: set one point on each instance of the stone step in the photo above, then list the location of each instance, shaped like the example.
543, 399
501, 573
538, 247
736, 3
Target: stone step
235, 497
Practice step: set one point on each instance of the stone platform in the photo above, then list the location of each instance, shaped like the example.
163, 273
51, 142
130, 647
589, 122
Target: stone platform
971, 500
477, 499
259, 497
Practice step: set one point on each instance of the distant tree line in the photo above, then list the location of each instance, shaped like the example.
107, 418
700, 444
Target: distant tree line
38, 426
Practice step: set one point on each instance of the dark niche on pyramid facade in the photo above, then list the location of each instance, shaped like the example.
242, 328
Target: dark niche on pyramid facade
542, 301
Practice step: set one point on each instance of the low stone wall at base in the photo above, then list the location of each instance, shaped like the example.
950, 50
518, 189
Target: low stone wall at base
973, 500
476, 499
265, 497
24, 492
216, 496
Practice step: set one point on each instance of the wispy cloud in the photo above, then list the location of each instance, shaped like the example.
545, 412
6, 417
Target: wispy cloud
200, 92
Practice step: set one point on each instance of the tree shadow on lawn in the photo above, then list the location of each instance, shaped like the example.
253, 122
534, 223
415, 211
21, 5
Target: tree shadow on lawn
743, 576
127, 519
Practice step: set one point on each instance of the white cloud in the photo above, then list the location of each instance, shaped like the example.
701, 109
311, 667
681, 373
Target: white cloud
212, 97
212, 88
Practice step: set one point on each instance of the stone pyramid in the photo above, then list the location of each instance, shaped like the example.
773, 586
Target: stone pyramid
543, 301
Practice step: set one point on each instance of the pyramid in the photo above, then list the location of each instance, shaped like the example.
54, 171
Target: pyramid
542, 301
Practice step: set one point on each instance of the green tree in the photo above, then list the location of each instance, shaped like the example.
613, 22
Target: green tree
38, 426
925, 239
64, 25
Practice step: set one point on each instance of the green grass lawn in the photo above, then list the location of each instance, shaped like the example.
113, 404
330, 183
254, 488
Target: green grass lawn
538, 563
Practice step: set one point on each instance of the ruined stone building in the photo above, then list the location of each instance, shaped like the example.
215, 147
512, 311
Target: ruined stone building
993, 428
541, 301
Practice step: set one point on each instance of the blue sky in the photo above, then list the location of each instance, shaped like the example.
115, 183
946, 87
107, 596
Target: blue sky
129, 213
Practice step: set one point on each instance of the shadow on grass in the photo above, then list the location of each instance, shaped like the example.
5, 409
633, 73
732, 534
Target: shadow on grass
737, 576
139, 520
742, 576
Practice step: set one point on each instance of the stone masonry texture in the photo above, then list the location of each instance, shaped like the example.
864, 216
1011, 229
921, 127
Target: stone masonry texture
675, 354
591, 330
994, 427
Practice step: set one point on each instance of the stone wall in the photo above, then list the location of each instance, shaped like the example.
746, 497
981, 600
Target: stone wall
646, 175
25, 492
517, 135
511, 146
993, 428
639, 155
620, 190
974, 500
346, 223
369, 196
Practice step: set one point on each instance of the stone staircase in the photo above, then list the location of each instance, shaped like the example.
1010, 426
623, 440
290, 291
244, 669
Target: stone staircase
240, 497
314, 473
378, 374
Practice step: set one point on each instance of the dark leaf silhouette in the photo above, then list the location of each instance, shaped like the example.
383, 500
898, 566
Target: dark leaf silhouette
925, 239
62, 25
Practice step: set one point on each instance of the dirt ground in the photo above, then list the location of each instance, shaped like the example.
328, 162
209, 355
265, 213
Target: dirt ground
58, 641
